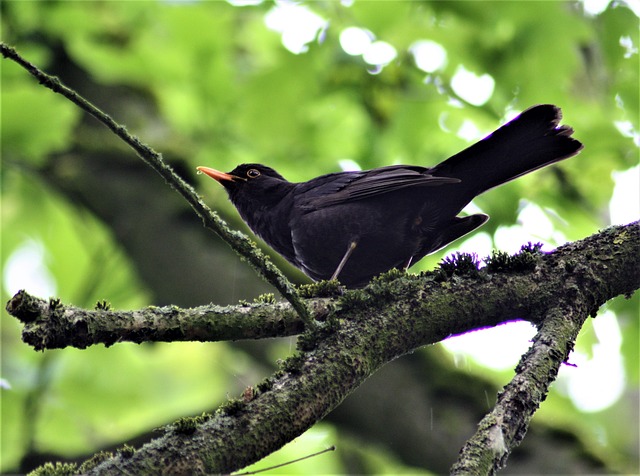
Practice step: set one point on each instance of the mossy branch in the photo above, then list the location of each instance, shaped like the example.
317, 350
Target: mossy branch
50, 324
505, 426
367, 328
239, 242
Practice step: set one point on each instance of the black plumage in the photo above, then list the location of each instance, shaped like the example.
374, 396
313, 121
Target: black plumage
355, 225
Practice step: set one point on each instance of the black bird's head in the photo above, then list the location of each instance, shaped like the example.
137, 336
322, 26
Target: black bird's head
254, 190
249, 180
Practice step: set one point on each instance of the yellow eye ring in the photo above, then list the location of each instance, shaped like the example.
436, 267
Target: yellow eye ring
253, 173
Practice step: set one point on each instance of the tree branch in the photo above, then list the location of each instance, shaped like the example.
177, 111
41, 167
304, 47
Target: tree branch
239, 242
367, 328
52, 325
506, 425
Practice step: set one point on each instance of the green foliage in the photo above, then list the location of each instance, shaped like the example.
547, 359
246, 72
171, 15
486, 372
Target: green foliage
28, 111
223, 90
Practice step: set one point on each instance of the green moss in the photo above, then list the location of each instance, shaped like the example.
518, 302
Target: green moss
103, 305
188, 425
185, 425
389, 276
499, 261
126, 451
57, 469
265, 385
321, 289
293, 364
94, 461
353, 298
267, 298
231, 407
525, 260
307, 341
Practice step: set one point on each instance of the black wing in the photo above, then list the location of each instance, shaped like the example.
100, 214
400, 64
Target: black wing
350, 186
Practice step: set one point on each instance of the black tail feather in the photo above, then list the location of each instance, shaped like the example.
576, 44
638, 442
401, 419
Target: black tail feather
530, 141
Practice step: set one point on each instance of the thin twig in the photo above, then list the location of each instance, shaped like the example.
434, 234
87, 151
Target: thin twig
297, 460
239, 242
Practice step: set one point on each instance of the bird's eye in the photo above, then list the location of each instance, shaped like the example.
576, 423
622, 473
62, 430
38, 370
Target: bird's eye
253, 173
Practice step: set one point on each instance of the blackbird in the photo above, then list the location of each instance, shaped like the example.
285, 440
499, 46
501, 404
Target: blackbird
355, 225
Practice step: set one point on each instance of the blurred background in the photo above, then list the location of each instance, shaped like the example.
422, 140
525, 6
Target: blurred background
308, 88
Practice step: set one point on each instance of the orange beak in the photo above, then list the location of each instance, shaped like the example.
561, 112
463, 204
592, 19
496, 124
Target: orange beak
216, 174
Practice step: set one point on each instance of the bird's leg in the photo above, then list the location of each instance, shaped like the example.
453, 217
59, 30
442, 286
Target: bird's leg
343, 261
407, 264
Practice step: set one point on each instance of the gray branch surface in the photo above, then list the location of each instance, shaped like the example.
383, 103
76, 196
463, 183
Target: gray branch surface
48, 324
364, 329
506, 425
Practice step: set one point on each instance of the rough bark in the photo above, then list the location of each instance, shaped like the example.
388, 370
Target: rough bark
365, 329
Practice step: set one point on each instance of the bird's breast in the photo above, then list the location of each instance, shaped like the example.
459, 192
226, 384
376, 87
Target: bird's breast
384, 239
271, 223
